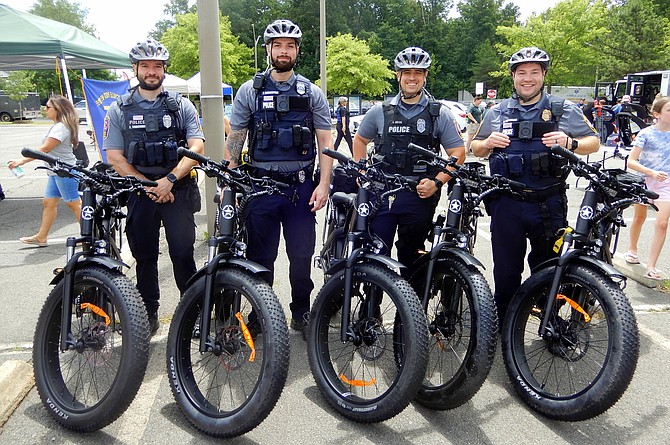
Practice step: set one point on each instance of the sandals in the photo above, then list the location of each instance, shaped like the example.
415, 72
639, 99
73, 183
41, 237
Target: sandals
32, 241
654, 274
631, 258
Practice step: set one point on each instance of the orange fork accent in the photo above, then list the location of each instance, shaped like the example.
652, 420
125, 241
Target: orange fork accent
98, 311
247, 337
357, 382
575, 306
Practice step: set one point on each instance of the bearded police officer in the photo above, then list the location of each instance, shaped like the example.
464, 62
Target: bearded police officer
411, 116
140, 137
287, 120
516, 136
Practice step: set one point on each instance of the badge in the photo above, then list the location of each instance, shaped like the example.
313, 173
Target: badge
301, 88
546, 115
167, 121
301, 176
421, 125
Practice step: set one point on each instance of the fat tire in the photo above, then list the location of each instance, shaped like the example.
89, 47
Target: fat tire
611, 315
461, 349
410, 334
80, 408
193, 393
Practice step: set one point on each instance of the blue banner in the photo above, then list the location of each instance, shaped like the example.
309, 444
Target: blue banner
99, 95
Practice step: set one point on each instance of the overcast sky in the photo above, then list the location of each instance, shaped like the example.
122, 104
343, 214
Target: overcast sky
122, 23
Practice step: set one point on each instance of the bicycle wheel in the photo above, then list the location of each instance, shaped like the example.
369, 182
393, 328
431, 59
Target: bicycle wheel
91, 385
586, 365
365, 379
463, 327
231, 389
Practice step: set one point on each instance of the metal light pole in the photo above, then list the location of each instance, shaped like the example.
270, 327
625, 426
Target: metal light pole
322, 44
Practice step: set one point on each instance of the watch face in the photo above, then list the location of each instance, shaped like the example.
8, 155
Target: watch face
170, 177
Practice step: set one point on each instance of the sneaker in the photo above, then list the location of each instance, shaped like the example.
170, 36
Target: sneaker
154, 324
301, 325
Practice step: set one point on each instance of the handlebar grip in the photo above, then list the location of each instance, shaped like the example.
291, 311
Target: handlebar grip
148, 183
193, 155
650, 194
516, 185
336, 155
558, 150
422, 151
282, 185
37, 154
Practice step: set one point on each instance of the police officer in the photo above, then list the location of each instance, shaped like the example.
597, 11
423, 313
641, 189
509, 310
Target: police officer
411, 116
140, 137
516, 135
287, 119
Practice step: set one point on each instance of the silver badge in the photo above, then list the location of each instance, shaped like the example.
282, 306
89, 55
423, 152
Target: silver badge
301, 176
301, 88
421, 125
167, 121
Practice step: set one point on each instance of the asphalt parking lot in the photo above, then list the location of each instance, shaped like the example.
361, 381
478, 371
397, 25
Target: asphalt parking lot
494, 416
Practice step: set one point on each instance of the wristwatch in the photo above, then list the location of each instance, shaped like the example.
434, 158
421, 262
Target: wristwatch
575, 144
438, 183
172, 178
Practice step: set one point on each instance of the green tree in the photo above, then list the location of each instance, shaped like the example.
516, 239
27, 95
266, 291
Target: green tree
353, 69
182, 42
65, 12
171, 9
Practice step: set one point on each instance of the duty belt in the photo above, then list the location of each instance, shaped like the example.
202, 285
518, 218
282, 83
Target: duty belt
299, 176
540, 195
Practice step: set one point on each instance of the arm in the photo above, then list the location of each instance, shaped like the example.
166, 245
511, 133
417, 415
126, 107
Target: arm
234, 146
48, 145
320, 195
634, 164
360, 150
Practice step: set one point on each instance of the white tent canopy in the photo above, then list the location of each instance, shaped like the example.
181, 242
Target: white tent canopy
194, 84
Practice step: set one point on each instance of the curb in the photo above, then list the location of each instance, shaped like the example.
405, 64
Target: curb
16, 380
634, 272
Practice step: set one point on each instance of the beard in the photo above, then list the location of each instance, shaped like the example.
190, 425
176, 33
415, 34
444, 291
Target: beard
149, 87
283, 66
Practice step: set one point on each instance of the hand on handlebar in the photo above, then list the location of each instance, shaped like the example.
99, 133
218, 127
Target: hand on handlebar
426, 188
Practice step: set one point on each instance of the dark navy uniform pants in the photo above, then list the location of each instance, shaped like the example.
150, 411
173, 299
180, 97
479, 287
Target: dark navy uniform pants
265, 216
412, 217
143, 232
512, 223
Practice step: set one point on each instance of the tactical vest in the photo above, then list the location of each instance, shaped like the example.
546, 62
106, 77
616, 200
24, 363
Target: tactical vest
527, 159
150, 137
398, 132
282, 128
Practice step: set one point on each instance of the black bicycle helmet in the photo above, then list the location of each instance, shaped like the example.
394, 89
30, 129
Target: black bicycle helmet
282, 28
148, 50
531, 54
412, 57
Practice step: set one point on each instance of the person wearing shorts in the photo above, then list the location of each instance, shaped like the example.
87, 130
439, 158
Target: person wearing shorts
59, 142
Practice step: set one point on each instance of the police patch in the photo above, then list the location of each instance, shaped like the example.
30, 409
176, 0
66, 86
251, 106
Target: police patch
301, 88
167, 121
421, 125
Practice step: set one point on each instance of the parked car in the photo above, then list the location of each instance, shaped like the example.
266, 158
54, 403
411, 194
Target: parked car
354, 123
82, 112
459, 111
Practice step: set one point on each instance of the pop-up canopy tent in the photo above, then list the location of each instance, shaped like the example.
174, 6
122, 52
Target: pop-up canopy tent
194, 83
175, 84
30, 42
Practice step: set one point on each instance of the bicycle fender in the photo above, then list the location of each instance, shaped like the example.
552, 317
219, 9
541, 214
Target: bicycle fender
81, 261
366, 258
602, 266
213, 266
467, 257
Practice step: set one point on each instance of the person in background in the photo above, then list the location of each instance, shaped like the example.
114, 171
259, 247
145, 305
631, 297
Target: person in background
651, 156
343, 131
620, 105
287, 119
59, 141
411, 116
141, 133
474, 116
517, 135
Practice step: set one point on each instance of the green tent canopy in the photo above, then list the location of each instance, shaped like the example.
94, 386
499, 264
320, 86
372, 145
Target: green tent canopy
30, 42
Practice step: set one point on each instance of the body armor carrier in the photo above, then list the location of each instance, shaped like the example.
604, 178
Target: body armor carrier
527, 159
151, 137
399, 131
282, 128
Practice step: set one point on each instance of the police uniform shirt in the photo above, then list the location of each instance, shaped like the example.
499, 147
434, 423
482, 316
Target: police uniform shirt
112, 138
572, 122
245, 103
445, 129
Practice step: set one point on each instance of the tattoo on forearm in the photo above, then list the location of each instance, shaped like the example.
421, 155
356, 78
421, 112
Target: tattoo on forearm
235, 143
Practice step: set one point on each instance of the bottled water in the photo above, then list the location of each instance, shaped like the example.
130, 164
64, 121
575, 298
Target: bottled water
17, 171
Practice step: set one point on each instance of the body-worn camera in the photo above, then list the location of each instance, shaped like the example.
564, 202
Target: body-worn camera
525, 130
